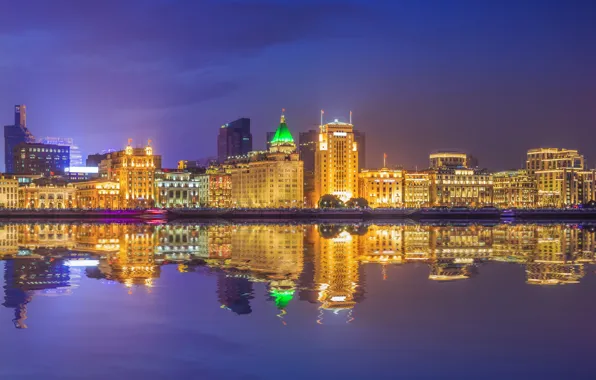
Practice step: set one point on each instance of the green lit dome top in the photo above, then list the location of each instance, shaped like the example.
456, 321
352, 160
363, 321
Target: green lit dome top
282, 134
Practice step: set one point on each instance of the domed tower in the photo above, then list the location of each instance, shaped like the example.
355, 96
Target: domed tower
282, 141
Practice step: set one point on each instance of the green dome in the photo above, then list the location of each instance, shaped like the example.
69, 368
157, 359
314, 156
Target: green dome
282, 134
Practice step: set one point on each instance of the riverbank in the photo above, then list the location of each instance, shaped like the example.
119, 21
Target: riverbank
309, 214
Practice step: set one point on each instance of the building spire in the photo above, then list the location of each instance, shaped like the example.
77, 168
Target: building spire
384, 160
350, 117
322, 112
283, 117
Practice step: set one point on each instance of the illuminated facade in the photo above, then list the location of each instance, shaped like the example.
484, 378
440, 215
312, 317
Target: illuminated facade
9, 192
215, 188
448, 160
177, 189
336, 161
76, 157
416, 189
47, 196
461, 187
9, 239
560, 175
515, 188
382, 188
99, 193
269, 179
134, 169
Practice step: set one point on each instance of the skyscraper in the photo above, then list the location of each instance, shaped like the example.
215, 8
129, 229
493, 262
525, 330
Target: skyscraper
76, 157
234, 139
14, 135
360, 139
336, 161
307, 148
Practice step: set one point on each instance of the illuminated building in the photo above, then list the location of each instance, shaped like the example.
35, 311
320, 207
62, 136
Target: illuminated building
177, 189
219, 241
269, 179
98, 193
47, 196
307, 148
14, 135
234, 139
9, 192
515, 188
76, 157
35, 158
336, 161
448, 160
416, 189
382, 187
134, 169
557, 172
461, 187
215, 188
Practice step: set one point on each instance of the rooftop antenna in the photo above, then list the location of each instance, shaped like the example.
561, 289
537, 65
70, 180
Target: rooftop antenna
283, 116
350, 117
322, 112
384, 158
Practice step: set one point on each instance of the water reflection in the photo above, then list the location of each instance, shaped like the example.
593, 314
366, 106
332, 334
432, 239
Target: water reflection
320, 264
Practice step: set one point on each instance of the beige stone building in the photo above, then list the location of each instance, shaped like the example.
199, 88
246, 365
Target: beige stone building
215, 188
134, 169
561, 177
416, 189
100, 193
9, 192
382, 187
461, 187
515, 188
47, 196
336, 161
269, 179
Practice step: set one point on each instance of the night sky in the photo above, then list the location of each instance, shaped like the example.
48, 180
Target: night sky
490, 78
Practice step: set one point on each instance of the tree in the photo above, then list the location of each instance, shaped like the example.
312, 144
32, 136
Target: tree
330, 201
357, 203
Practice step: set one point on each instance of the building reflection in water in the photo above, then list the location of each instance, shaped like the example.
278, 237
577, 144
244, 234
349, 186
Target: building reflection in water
320, 264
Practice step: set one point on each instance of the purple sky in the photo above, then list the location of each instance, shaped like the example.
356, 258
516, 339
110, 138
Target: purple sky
491, 78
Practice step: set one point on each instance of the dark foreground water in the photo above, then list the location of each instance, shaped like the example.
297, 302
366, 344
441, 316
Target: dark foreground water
123, 301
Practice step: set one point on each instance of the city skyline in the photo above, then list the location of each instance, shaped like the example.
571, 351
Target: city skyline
419, 76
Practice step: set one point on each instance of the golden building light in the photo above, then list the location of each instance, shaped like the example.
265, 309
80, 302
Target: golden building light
134, 169
336, 161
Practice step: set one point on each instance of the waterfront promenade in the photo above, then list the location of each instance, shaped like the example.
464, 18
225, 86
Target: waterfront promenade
306, 214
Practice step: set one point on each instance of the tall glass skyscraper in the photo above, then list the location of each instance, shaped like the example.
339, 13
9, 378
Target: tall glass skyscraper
234, 139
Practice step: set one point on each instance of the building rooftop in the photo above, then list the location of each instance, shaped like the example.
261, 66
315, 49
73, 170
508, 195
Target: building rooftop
282, 135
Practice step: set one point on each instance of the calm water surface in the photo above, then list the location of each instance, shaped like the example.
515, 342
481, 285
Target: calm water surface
188, 301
